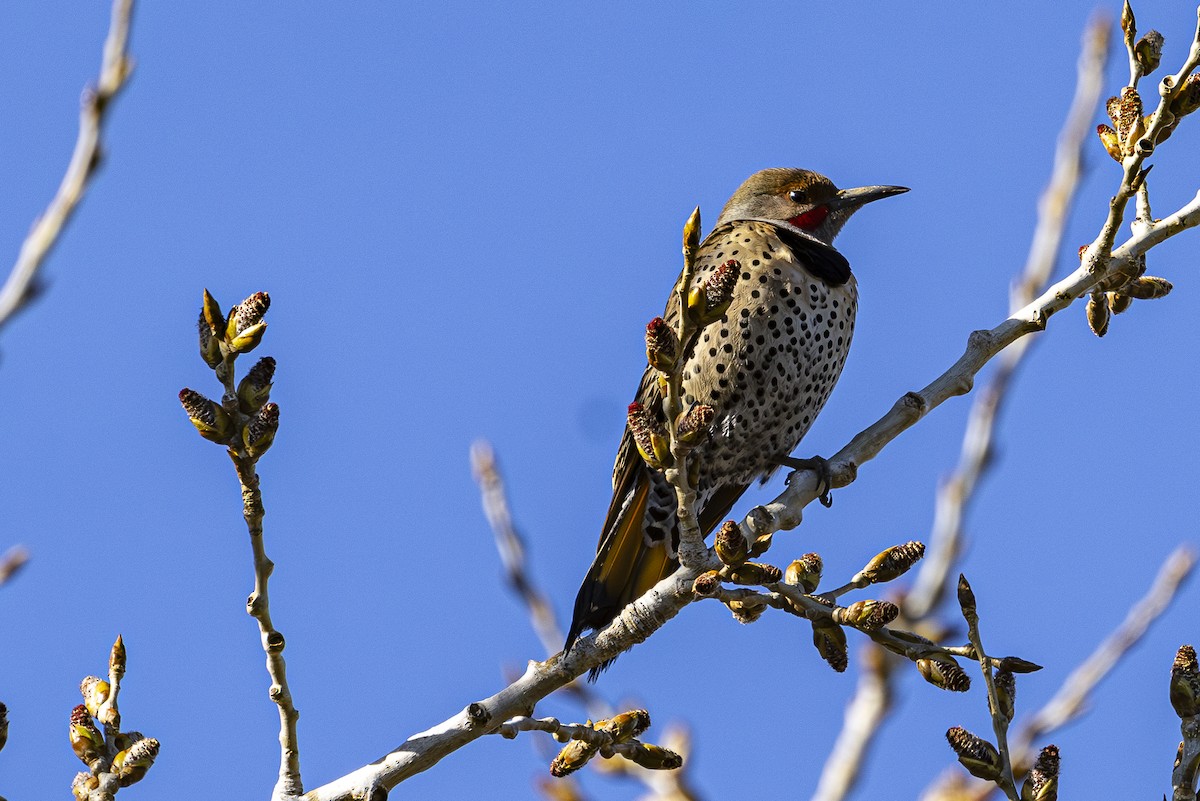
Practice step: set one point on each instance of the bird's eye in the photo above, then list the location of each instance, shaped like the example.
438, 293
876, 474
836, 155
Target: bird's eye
798, 196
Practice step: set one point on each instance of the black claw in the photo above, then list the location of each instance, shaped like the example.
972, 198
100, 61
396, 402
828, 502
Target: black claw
824, 475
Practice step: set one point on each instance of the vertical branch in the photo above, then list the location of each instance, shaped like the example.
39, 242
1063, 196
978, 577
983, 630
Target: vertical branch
245, 422
258, 605
115, 68
692, 550
966, 600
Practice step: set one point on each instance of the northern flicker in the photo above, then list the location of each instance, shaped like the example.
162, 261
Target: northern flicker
766, 367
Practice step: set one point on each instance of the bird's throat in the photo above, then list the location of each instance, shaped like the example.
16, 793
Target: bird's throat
810, 219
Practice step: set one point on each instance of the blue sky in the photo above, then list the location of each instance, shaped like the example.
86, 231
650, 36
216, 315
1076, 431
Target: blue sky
464, 217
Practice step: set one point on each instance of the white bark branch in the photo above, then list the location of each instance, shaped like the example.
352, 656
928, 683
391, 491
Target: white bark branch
115, 68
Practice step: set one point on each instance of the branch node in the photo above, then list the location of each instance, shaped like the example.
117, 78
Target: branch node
914, 403
478, 715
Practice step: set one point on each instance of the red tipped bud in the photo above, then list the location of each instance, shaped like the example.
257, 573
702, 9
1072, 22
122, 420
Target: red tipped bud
86, 740
696, 425
1185, 683
707, 583
574, 756
867, 615
1042, 782
255, 389
662, 345
892, 563
649, 436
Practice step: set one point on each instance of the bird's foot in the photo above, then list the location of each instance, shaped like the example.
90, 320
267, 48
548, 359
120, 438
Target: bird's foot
821, 468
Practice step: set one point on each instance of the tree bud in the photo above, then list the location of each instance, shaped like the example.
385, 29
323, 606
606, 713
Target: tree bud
255, 388
649, 436
977, 755
259, 433
893, 563
730, 544
209, 418
944, 673
662, 346
1148, 51
830, 641
805, 573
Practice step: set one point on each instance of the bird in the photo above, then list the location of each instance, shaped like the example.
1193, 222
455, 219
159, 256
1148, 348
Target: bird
766, 367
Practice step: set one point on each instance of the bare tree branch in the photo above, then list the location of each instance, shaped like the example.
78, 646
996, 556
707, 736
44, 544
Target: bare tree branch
511, 546
115, 68
1072, 698
873, 696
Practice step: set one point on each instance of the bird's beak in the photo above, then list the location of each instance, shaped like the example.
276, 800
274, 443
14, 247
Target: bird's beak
861, 195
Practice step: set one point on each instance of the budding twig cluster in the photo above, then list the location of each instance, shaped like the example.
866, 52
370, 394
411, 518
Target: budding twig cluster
981, 758
666, 433
114, 758
244, 420
793, 590
616, 736
1130, 139
1185, 699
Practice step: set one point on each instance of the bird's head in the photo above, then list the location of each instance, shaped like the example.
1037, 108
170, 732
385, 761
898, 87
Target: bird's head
803, 199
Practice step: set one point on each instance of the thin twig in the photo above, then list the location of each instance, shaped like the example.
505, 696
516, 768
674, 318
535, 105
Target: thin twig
115, 68
1005, 780
258, 605
1073, 696
511, 546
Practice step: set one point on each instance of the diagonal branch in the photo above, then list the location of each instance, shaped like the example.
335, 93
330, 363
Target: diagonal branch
511, 546
21, 285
